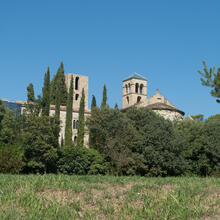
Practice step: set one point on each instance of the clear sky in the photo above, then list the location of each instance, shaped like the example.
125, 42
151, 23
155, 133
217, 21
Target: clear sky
107, 40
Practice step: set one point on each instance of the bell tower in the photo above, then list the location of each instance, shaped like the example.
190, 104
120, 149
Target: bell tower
134, 90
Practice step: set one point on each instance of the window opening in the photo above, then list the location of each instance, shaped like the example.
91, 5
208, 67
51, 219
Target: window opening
77, 83
126, 87
77, 96
128, 100
141, 89
136, 87
138, 99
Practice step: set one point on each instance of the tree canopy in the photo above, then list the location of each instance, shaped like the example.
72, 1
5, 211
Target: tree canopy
211, 79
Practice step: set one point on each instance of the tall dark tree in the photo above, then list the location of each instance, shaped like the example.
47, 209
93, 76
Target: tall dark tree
30, 93
104, 97
211, 79
57, 104
93, 105
81, 125
58, 81
46, 94
53, 90
40, 145
116, 106
2, 112
69, 116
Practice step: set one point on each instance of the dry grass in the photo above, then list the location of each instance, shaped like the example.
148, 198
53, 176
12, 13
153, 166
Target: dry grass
72, 197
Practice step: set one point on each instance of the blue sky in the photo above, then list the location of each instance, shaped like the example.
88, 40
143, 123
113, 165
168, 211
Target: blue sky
107, 40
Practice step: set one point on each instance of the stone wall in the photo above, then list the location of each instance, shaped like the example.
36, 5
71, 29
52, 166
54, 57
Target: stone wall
171, 115
63, 124
83, 83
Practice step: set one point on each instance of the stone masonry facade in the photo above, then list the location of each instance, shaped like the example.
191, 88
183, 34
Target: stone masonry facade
134, 94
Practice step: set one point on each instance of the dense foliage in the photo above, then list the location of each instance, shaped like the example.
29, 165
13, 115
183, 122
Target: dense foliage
82, 161
134, 142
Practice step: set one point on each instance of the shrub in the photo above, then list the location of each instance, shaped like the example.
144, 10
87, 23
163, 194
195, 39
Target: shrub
82, 161
10, 159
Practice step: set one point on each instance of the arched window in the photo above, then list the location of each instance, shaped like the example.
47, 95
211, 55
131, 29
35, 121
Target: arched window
74, 124
141, 89
129, 87
128, 100
126, 87
77, 96
136, 87
138, 99
77, 83
75, 138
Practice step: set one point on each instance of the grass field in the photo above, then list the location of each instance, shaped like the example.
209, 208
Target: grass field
106, 197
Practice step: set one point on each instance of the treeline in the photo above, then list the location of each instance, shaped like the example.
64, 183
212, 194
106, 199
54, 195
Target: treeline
135, 142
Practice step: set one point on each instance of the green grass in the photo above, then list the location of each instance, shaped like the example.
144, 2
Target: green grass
107, 197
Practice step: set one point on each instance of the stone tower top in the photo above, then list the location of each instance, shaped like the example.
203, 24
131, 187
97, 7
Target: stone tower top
80, 83
134, 90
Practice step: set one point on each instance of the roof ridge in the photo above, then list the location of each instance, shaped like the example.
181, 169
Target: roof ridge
135, 76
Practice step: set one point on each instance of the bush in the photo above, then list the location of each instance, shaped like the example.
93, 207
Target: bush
157, 142
11, 159
82, 161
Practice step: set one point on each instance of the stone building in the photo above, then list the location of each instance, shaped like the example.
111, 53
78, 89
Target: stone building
80, 83
135, 94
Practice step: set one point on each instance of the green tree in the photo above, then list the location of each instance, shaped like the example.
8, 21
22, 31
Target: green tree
214, 117
81, 125
211, 79
30, 93
104, 97
114, 136
93, 105
82, 161
40, 145
2, 113
199, 117
46, 94
53, 90
157, 142
11, 126
192, 135
11, 158
58, 87
69, 116
116, 106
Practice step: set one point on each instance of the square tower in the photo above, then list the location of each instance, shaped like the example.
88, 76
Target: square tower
80, 82
134, 90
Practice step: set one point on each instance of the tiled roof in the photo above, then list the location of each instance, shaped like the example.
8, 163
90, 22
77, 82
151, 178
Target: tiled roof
163, 106
135, 76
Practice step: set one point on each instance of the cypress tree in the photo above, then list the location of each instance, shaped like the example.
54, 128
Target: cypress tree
93, 105
46, 94
59, 81
69, 116
53, 90
62, 85
80, 130
57, 103
116, 106
104, 97
30, 93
